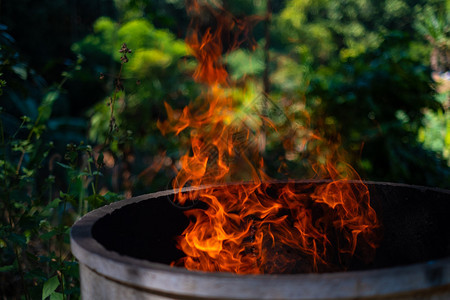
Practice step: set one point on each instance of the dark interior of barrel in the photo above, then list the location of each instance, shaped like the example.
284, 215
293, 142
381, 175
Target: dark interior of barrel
415, 227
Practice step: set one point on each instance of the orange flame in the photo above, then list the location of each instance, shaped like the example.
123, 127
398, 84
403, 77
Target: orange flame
256, 227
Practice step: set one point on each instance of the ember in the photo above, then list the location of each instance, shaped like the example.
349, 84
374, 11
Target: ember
251, 228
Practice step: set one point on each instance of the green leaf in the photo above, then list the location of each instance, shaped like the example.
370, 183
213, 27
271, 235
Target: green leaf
53, 204
50, 287
20, 70
7, 268
81, 174
97, 173
45, 109
64, 165
100, 159
56, 296
25, 119
49, 235
112, 197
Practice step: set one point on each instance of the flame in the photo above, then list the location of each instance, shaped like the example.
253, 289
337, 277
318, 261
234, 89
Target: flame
255, 227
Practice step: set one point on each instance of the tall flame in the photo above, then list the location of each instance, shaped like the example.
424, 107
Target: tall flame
254, 227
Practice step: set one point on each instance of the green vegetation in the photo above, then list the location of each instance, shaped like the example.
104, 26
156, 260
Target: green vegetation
78, 110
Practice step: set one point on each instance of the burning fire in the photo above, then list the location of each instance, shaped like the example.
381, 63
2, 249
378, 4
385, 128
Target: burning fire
258, 226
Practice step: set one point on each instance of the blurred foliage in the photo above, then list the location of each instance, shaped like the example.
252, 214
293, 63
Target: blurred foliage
154, 74
371, 76
364, 72
38, 210
378, 100
435, 134
42, 190
151, 74
435, 27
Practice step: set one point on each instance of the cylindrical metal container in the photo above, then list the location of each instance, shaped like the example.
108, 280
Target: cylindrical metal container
124, 250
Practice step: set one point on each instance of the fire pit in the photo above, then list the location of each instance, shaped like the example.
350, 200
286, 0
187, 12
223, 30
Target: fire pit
125, 249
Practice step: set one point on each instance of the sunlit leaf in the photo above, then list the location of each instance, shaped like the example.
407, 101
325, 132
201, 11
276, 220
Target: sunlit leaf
50, 286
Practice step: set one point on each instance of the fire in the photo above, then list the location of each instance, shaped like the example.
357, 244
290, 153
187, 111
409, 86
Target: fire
259, 226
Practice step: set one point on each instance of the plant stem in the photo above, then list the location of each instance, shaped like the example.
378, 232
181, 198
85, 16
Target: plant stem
112, 103
61, 278
93, 184
21, 271
61, 242
32, 129
19, 164
96, 182
16, 251
8, 211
